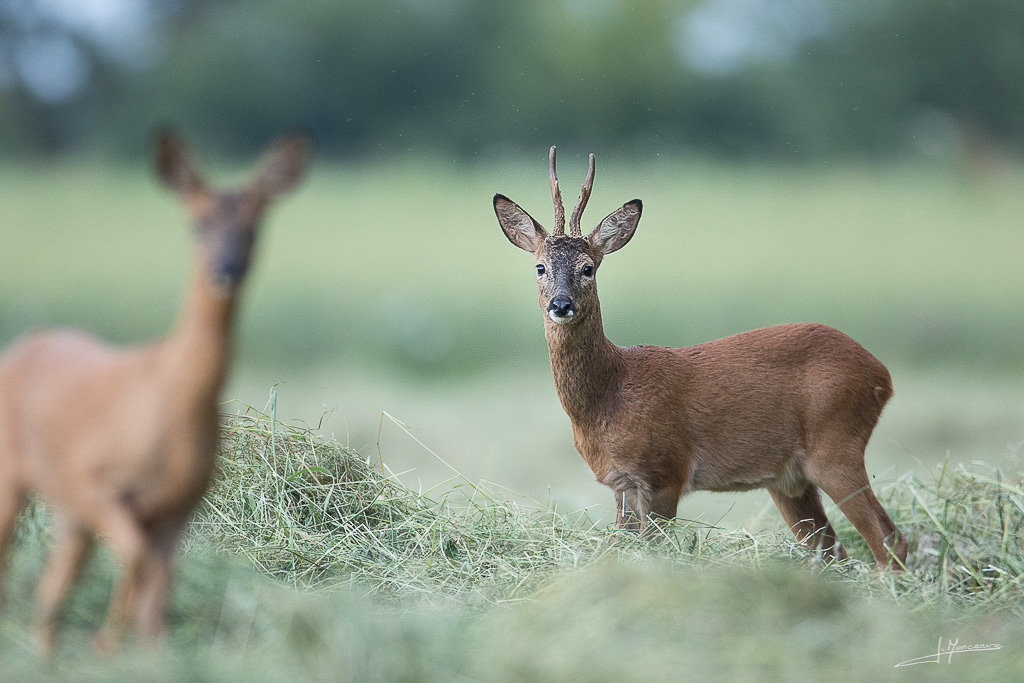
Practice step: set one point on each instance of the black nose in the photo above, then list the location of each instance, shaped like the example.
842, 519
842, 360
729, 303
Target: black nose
230, 271
562, 307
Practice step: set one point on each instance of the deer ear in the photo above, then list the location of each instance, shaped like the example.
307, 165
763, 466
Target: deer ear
518, 226
617, 228
282, 165
174, 166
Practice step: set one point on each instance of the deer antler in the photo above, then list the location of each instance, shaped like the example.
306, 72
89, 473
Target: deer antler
556, 197
581, 203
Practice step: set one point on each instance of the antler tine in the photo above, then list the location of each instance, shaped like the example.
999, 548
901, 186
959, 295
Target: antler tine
556, 196
581, 203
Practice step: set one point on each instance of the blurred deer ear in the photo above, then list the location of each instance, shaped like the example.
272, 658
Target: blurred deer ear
174, 166
282, 165
518, 226
617, 228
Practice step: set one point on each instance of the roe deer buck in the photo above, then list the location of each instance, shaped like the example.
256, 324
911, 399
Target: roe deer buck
121, 442
788, 408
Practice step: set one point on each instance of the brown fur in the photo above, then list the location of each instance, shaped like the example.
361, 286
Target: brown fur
121, 441
788, 408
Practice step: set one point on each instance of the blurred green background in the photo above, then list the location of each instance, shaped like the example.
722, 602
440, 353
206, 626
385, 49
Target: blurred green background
858, 165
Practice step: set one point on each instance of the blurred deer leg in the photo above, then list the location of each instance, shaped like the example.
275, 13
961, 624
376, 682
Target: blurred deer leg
159, 566
129, 545
70, 549
11, 503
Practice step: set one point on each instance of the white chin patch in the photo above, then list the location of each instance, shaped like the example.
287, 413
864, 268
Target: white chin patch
561, 320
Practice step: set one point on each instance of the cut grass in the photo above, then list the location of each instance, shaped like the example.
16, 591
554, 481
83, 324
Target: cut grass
307, 561
310, 512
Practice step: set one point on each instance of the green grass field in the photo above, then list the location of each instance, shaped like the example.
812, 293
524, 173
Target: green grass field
390, 288
308, 563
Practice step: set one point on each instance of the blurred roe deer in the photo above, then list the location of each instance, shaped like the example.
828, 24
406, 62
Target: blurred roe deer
121, 442
788, 408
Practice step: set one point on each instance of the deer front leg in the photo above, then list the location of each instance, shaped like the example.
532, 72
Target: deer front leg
637, 504
70, 549
631, 509
150, 617
128, 542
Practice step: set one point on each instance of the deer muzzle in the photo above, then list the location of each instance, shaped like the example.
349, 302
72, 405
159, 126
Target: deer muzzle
561, 309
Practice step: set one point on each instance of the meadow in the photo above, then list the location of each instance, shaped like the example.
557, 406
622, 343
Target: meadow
306, 562
388, 313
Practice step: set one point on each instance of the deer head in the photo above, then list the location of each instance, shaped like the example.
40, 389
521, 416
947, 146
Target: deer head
567, 264
227, 221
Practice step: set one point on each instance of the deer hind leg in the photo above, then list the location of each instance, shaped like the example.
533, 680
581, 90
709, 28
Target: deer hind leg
805, 515
846, 482
70, 549
128, 542
150, 616
11, 503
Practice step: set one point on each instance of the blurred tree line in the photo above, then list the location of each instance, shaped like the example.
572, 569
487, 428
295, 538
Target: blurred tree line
789, 79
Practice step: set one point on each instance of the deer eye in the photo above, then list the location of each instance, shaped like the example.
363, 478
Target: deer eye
588, 271
540, 269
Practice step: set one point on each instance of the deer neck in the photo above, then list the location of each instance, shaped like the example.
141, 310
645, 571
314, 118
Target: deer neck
586, 366
198, 351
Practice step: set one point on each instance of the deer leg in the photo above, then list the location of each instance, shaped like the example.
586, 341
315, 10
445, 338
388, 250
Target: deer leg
66, 559
848, 485
637, 505
11, 503
805, 515
664, 501
151, 615
128, 543
632, 508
